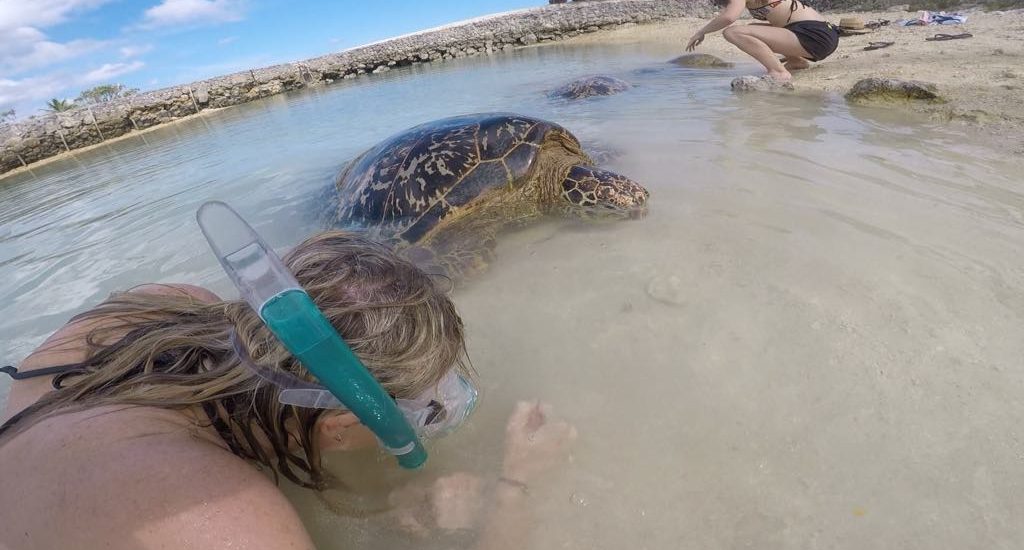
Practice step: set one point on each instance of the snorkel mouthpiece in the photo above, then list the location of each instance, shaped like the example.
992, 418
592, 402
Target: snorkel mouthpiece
288, 311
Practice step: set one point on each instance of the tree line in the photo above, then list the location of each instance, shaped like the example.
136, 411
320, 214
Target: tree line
93, 96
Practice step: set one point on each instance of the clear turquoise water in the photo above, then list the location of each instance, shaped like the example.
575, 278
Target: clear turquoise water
813, 340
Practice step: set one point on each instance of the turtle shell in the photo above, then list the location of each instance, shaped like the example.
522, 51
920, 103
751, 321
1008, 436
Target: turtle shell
591, 86
407, 184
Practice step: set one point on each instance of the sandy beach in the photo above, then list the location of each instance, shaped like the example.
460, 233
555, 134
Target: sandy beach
980, 77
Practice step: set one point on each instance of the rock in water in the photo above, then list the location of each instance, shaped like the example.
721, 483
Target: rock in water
892, 89
667, 290
591, 86
759, 84
700, 61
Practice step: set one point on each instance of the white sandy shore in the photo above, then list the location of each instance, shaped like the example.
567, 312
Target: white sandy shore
981, 77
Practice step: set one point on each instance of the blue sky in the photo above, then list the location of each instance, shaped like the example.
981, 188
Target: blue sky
56, 48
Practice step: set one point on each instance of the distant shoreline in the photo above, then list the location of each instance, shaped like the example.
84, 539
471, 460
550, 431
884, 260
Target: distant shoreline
980, 77
25, 143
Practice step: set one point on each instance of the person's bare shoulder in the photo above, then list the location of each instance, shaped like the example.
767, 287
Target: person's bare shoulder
179, 491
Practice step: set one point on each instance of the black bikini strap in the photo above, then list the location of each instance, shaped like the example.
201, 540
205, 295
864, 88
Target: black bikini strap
60, 372
35, 373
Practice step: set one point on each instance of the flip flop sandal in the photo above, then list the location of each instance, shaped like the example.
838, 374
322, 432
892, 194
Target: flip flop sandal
877, 45
941, 37
876, 24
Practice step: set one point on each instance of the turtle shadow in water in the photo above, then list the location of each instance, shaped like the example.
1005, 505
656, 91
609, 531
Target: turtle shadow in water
440, 193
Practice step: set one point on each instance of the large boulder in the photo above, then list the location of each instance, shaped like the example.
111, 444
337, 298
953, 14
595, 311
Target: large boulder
888, 90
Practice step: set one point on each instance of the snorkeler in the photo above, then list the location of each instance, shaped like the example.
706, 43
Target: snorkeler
790, 28
139, 423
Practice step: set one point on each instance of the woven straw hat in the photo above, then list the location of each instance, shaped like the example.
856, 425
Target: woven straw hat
852, 25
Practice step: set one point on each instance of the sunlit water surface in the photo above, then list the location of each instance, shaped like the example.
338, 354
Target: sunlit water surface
812, 341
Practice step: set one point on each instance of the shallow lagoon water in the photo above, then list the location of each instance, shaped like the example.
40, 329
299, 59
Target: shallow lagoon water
812, 341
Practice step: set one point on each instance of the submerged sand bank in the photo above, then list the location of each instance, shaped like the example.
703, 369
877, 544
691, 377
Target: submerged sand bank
981, 77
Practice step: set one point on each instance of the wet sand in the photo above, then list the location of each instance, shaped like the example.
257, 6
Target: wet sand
981, 77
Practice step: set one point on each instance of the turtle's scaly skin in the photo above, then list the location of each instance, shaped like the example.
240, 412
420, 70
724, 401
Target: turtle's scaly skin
441, 191
591, 86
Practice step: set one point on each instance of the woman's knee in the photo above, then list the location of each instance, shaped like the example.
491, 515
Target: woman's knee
731, 34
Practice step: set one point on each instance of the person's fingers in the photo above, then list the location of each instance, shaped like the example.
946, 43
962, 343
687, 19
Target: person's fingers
536, 418
520, 416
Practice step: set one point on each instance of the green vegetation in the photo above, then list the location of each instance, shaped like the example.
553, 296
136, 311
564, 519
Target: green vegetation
105, 93
58, 105
7, 116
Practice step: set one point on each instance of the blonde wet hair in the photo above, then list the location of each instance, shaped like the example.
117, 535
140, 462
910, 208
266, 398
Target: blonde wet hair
174, 352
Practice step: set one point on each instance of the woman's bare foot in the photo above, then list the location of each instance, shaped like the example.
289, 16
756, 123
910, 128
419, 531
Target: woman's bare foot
797, 64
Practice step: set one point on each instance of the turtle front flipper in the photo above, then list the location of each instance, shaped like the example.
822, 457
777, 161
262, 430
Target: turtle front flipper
457, 257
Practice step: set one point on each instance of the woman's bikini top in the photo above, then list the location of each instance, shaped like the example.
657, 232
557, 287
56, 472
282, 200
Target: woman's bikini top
759, 9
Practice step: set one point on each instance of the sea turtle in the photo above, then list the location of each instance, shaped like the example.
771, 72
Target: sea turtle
441, 191
591, 86
700, 61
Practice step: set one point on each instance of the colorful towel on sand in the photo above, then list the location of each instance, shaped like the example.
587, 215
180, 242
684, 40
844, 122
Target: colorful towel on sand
929, 18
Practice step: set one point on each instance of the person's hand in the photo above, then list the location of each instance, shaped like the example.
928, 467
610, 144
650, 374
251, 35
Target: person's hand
457, 500
410, 511
533, 442
451, 502
695, 41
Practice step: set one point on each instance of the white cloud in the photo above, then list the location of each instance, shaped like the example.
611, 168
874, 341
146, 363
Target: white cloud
40, 13
25, 93
23, 46
135, 50
26, 48
15, 93
192, 12
108, 71
227, 40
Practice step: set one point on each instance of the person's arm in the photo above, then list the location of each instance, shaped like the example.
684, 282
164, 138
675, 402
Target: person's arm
533, 445
726, 17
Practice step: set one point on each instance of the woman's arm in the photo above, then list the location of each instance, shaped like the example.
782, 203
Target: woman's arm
533, 445
726, 17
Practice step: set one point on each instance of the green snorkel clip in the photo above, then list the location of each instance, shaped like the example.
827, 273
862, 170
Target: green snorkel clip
288, 311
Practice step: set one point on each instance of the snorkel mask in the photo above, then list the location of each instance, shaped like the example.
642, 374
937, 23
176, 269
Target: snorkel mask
269, 288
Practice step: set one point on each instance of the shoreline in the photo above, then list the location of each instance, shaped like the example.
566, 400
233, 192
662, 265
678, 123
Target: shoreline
123, 137
980, 78
26, 142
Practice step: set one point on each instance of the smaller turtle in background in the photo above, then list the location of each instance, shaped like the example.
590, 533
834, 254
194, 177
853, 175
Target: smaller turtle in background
700, 61
591, 86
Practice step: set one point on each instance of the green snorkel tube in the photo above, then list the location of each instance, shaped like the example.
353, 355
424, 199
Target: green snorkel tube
267, 285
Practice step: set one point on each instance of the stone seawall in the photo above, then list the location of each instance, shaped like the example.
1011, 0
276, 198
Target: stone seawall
41, 137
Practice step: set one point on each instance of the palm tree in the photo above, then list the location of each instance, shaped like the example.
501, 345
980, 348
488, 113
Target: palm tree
58, 105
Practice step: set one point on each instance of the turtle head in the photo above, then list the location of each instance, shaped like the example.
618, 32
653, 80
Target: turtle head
599, 193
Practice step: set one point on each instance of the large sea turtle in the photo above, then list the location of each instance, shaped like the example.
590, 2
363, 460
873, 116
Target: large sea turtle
440, 192
591, 86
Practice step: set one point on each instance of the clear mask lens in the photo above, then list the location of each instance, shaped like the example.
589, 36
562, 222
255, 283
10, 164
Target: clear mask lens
435, 413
